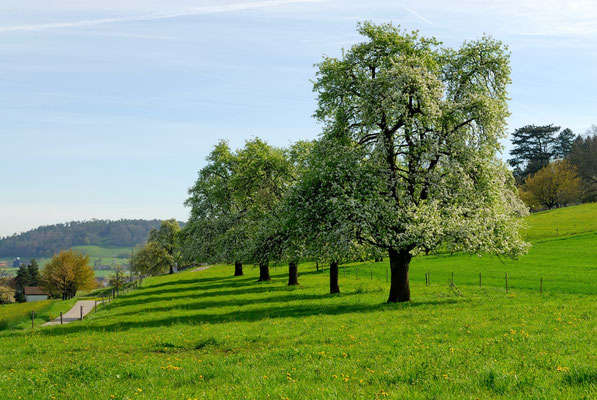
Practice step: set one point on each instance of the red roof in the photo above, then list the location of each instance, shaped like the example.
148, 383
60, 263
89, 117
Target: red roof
35, 290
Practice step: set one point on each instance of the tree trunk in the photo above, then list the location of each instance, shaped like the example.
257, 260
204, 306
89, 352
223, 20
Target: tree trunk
264, 272
317, 265
292, 273
238, 268
399, 288
171, 269
334, 287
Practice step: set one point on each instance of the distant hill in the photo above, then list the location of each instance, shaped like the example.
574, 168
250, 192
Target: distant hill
46, 240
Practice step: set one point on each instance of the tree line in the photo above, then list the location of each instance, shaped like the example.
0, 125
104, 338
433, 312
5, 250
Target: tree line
406, 163
44, 241
554, 167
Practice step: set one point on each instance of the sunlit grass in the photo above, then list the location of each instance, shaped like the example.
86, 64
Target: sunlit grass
18, 315
562, 222
210, 335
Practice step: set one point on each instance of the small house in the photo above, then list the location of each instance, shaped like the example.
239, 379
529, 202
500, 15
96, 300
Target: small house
35, 293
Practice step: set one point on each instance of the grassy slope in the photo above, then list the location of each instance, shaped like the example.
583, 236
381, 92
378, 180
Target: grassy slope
18, 315
210, 335
108, 252
562, 222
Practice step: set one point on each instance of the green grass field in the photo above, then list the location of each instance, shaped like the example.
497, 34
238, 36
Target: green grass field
17, 316
107, 254
209, 335
562, 222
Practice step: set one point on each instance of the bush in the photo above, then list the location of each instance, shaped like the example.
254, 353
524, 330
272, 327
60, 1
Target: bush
6, 295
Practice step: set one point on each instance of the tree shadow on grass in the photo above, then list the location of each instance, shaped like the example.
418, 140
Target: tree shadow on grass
207, 305
195, 293
272, 312
198, 279
148, 291
243, 280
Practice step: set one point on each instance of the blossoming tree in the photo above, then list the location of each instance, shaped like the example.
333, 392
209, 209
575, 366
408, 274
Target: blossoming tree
427, 119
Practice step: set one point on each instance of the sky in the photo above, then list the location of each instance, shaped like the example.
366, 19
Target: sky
110, 107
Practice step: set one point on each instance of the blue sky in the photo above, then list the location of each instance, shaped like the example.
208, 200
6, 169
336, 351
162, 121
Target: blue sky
110, 107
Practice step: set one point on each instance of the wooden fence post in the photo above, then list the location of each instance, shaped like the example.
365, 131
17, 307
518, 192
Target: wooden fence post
541, 286
60, 317
95, 306
81, 313
479, 279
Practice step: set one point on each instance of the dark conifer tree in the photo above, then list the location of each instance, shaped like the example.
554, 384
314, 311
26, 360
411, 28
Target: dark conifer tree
534, 147
563, 144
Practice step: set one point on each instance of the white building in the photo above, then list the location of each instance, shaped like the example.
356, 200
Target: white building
35, 293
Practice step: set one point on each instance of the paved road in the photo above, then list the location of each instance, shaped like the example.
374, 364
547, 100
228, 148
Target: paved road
202, 268
74, 314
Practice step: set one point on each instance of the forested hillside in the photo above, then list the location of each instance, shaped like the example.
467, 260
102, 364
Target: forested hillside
45, 240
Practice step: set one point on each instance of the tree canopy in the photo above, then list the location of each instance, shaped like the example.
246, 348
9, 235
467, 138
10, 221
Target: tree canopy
235, 200
161, 252
27, 275
583, 155
555, 185
167, 240
428, 119
66, 273
535, 146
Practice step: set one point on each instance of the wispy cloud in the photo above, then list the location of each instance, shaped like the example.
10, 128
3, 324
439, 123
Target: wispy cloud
156, 16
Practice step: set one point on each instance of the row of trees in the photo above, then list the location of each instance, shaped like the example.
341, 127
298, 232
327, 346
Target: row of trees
406, 163
555, 169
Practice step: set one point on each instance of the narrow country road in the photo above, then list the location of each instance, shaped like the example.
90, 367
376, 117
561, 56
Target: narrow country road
74, 314
202, 268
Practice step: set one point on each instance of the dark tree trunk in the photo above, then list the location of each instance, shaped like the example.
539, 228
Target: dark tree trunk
399, 262
264, 272
376, 259
171, 269
238, 268
292, 273
334, 287
317, 265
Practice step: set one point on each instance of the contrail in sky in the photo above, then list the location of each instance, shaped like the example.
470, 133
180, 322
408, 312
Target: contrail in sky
413, 12
154, 16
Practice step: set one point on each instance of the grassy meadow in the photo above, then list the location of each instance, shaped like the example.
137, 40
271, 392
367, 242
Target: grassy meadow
209, 335
18, 315
106, 254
